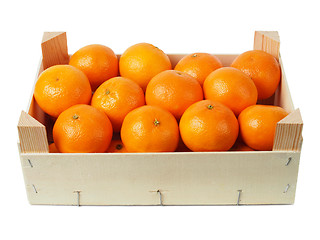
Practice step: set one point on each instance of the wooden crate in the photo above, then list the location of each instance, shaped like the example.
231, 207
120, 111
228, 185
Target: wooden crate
190, 178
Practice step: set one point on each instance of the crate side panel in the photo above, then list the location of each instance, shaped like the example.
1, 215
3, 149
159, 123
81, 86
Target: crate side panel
226, 59
183, 179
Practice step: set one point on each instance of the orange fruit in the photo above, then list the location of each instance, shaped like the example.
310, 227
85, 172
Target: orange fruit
208, 126
117, 97
198, 65
82, 129
143, 61
258, 125
240, 146
150, 129
53, 148
263, 68
116, 146
97, 61
231, 87
60, 87
174, 91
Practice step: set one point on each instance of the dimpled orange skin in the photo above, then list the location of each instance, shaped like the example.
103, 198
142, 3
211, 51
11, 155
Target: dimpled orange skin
116, 146
198, 65
98, 62
208, 126
150, 129
60, 87
117, 97
263, 68
258, 125
143, 61
82, 129
174, 91
231, 87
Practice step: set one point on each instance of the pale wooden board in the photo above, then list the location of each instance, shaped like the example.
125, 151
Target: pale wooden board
182, 178
288, 134
267, 41
282, 95
54, 49
32, 135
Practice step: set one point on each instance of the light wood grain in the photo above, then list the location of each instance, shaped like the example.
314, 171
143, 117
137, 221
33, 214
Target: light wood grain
282, 95
267, 41
32, 135
54, 49
182, 178
288, 136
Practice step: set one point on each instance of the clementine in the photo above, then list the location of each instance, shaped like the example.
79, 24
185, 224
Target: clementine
60, 87
116, 146
143, 61
97, 61
208, 126
258, 125
174, 91
117, 97
53, 148
150, 129
198, 65
263, 68
82, 129
231, 87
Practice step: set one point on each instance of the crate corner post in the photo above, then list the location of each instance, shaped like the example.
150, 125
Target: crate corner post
268, 41
288, 136
54, 49
32, 135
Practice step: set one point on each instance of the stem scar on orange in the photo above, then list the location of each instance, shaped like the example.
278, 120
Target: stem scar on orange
208, 126
82, 129
150, 129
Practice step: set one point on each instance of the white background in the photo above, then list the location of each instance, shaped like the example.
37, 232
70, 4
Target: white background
175, 27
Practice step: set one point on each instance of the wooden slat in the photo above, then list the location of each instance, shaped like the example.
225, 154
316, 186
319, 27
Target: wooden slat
282, 95
288, 136
54, 49
267, 41
32, 135
182, 178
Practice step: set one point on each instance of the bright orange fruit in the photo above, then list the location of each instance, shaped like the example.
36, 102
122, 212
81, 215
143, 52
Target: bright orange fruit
117, 97
97, 61
263, 68
53, 148
174, 91
82, 129
116, 146
208, 126
143, 61
258, 125
198, 65
60, 87
231, 87
150, 129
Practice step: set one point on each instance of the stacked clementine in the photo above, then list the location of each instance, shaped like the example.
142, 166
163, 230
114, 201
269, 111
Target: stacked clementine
142, 103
